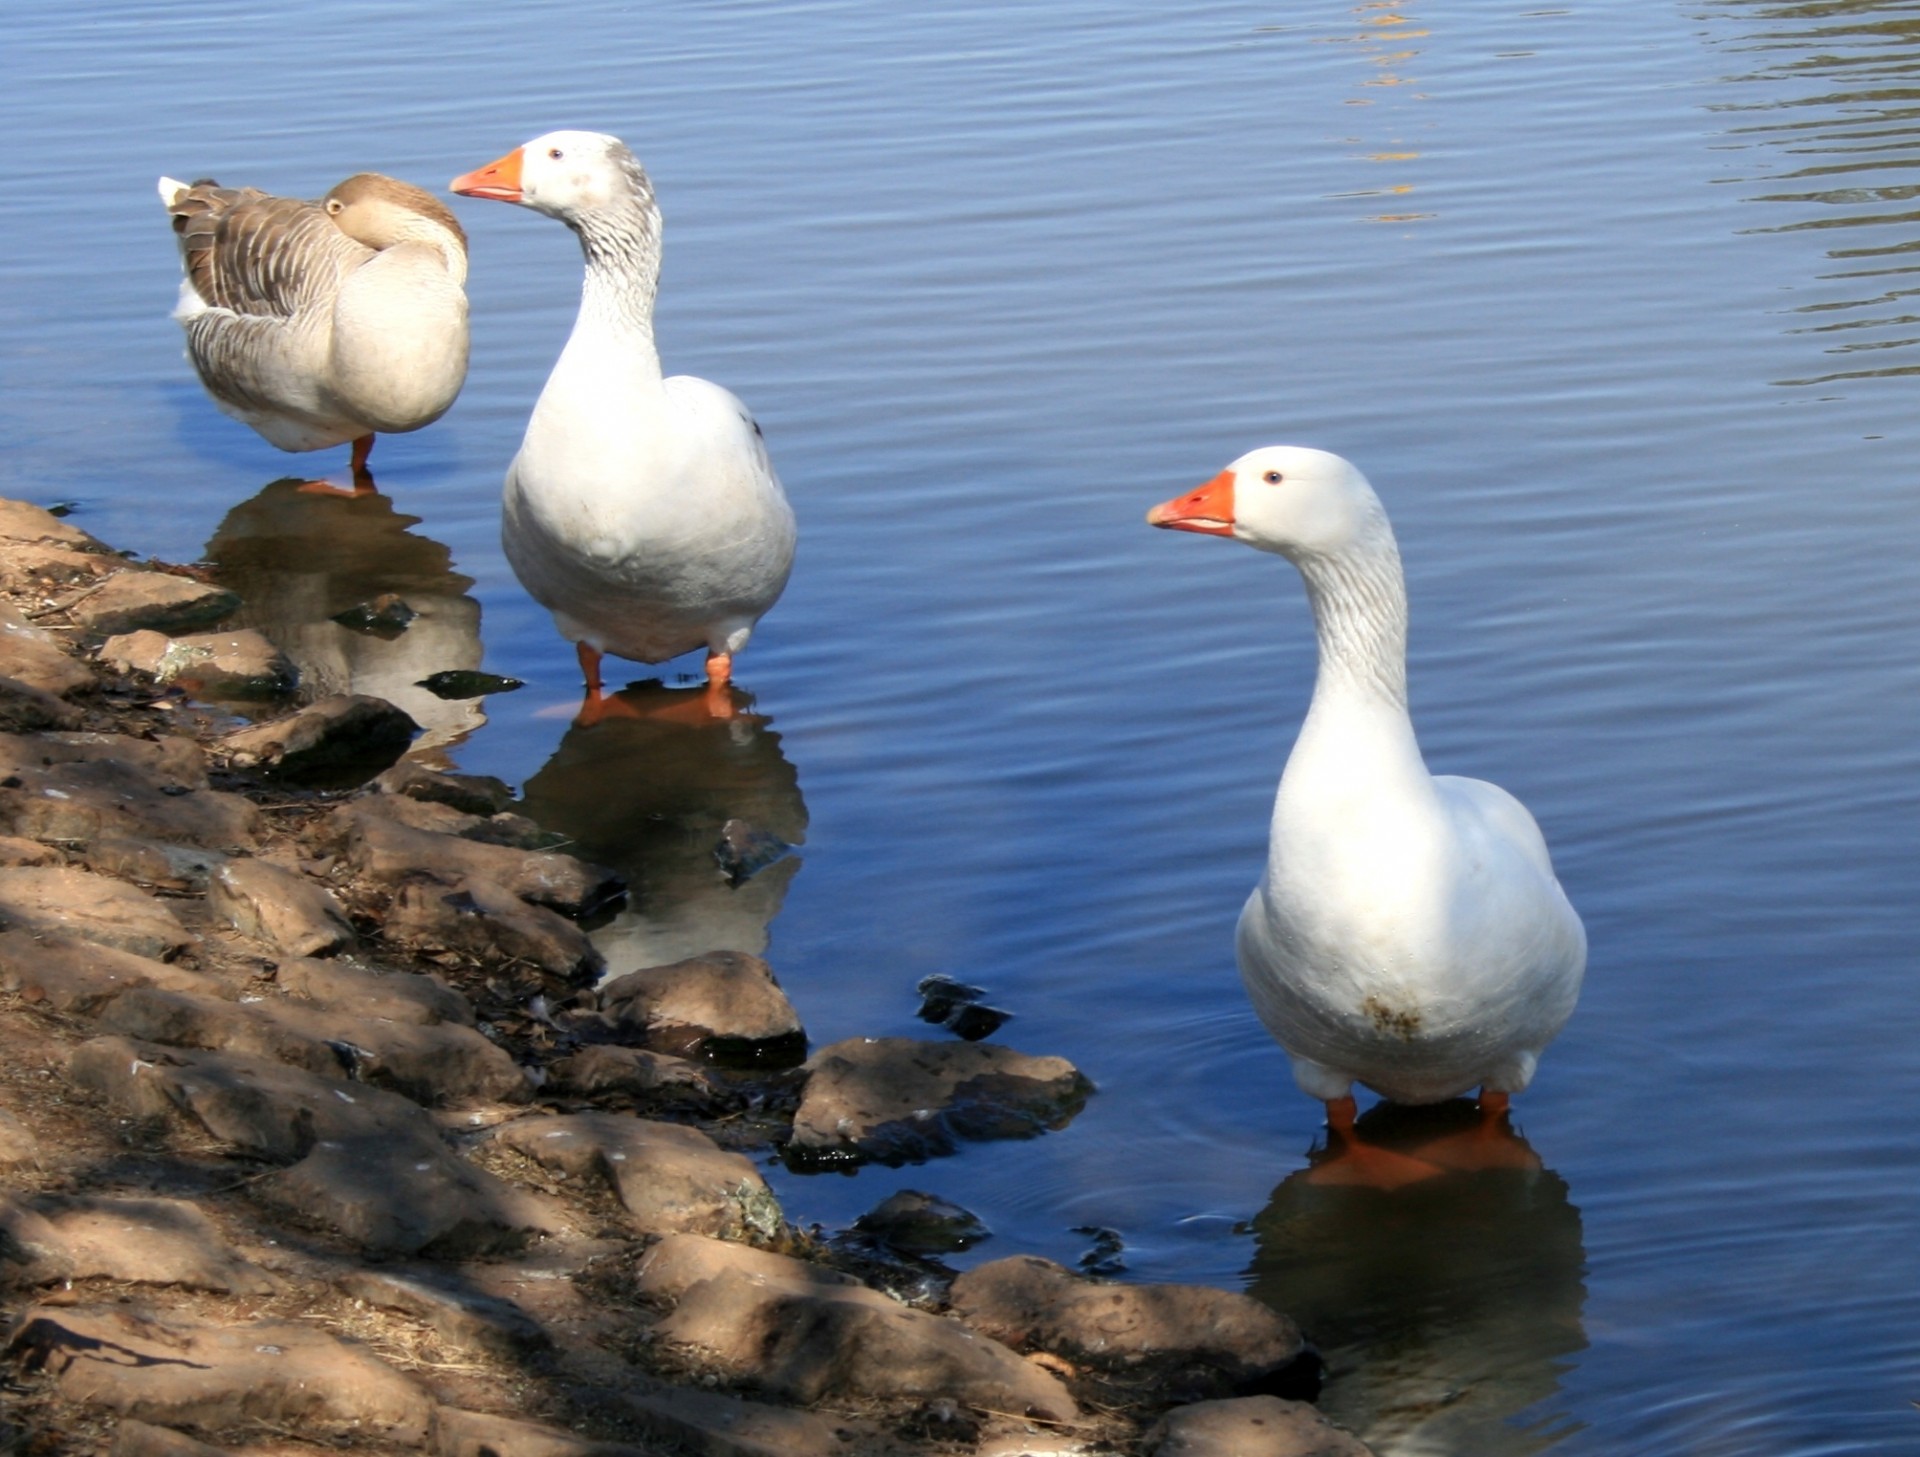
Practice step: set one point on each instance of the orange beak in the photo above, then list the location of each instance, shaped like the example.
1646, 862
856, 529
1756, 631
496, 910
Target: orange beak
498, 180
1208, 510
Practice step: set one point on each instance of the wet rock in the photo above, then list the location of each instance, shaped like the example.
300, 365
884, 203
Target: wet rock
454, 683
486, 921
670, 1178
91, 907
843, 1343
393, 996
385, 616
465, 1318
1106, 1255
134, 598
240, 664
743, 851
1250, 1426
85, 799
173, 1369
27, 709
35, 657
1191, 1333
603, 1069
407, 1198
474, 794
897, 1100
724, 1007
78, 976
140, 1439
958, 1008
280, 907
258, 1105
143, 1241
681, 1261
922, 1224
18, 1147
342, 740
471, 1434
383, 848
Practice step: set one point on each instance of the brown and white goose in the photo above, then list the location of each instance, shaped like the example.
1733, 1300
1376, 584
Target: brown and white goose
641, 510
322, 322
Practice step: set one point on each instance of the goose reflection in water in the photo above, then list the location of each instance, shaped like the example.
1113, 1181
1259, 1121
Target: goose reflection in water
1445, 1309
299, 559
650, 789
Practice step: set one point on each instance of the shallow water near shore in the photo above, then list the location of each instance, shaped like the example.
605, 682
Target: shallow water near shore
1615, 307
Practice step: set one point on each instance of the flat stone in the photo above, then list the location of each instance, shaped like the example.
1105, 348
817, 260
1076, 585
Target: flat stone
22, 521
281, 907
149, 863
241, 664
143, 1241
35, 567
715, 1425
1250, 1426
390, 852
490, 923
142, 1439
258, 1105
604, 1069
345, 739
169, 762
38, 658
135, 597
669, 1177
474, 794
681, 1261
851, 1343
80, 977
410, 1198
465, 1318
1026, 1302
724, 1006
175, 1370
19, 1149
82, 799
16, 851
472, 1434
91, 907
898, 1100
31, 1250
26, 709
393, 996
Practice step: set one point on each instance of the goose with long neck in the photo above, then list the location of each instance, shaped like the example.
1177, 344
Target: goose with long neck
641, 510
318, 323
1409, 933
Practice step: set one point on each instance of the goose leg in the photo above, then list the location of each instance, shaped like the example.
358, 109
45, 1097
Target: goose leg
362, 477
1490, 1144
1351, 1160
719, 684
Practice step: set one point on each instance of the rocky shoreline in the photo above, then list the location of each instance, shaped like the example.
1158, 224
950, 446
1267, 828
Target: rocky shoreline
320, 1130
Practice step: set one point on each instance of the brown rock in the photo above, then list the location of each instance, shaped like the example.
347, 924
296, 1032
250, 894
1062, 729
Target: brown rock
1250, 1426
472, 1434
143, 1241
36, 657
681, 1261
152, 864
489, 923
77, 976
31, 1250
466, 1318
670, 1178
85, 798
725, 1426
394, 996
280, 907
91, 907
135, 597
23, 521
169, 763
18, 1147
240, 664
16, 851
409, 1198
264, 1107
602, 1069
172, 1369
140, 1439
25, 708
344, 739
474, 794
898, 1100
33, 567
847, 1343
1030, 1302
724, 1006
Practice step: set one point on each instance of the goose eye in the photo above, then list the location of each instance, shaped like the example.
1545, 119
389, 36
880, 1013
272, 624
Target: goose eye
1272, 478
333, 206
555, 153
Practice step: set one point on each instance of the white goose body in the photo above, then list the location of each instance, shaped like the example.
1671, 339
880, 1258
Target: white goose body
320, 323
1408, 932
642, 511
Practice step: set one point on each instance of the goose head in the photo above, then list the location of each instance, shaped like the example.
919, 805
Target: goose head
1288, 499
380, 211
563, 174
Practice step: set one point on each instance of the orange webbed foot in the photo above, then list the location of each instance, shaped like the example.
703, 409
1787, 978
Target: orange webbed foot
1490, 1144
1351, 1161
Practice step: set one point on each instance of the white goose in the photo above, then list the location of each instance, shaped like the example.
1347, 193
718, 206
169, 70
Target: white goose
322, 322
641, 511
1408, 933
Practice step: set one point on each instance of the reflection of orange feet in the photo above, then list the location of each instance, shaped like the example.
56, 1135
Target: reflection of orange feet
1490, 1144
1351, 1161
362, 486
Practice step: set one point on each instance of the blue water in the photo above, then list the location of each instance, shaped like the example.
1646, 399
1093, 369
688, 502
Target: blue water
1616, 306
